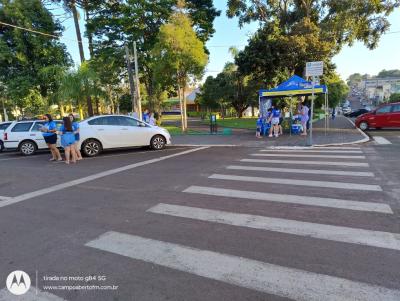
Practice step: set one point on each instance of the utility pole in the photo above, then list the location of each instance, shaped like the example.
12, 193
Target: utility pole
130, 75
138, 100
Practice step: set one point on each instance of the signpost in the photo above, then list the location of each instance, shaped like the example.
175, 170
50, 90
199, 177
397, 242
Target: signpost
314, 70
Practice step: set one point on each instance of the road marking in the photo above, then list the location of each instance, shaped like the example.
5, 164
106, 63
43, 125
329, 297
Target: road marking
4, 198
32, 294
312, 151
93, 177
308, 156
291, 199
381, 140
314, 147
324, 184
370, 238
305, 171
302, 162
252, 274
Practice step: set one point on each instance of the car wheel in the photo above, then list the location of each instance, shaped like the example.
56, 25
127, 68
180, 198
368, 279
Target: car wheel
91, 148
1, 146
158, 142
27, 148
363, 126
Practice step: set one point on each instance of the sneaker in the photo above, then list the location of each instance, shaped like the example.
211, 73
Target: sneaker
270, 135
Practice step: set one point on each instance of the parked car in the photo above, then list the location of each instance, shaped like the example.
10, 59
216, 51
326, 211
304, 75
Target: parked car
3, 127
96, 134
357, 113
384, 116
25, 136
346, 110
119, 131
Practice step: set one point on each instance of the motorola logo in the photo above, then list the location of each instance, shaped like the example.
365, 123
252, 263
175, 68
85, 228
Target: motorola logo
18, 282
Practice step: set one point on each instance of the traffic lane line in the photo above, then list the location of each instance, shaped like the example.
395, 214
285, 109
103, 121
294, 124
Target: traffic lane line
313, 148
381, 140
321, 184
304, 162
379, 239
4, 198
103, 155
93, 177
312, 151
59, 172
303, 171
308, 156
291, 199
248, 273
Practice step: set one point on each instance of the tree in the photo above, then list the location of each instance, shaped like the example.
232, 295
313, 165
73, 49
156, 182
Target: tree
115, 23
342, 21
78, 85
273, 55
337, 90
389, 73
180, 55
293, 32
395, 97
23, 54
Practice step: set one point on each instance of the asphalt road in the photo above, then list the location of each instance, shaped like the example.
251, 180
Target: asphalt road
217, 223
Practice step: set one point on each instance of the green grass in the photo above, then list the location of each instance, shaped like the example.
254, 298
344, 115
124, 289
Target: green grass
237, 123
175, 130
170, 117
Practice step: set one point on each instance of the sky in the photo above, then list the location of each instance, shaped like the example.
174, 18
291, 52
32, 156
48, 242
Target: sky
227, 33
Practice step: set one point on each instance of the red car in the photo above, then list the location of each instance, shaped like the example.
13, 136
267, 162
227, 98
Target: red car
384, 116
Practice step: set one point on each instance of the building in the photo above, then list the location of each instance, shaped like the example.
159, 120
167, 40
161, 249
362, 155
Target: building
380, 89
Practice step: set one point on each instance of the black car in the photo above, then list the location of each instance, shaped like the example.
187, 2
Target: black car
356, 113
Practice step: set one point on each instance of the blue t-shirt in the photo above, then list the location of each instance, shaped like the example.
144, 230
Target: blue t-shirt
50, 125
75, 127
63, 129
146, 117
259, 122
276, 113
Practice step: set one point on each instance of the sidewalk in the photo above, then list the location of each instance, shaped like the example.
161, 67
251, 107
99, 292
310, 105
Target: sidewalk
341, 131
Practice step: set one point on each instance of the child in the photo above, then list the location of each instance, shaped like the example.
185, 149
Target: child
259, 124
68, 140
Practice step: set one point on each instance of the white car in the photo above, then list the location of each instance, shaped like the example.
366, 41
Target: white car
118, 131
25, 136
96, 134
3, 127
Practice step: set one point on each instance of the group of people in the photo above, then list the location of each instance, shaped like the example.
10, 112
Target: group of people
271, 122
274, 118
69, 132
148, 117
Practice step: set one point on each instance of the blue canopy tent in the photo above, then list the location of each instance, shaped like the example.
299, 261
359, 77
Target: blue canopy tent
294, 86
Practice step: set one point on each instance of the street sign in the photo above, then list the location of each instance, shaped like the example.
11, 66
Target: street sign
314, 68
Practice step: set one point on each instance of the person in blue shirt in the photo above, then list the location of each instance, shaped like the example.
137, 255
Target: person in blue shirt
146, 116
275, 119
49, 132
259, 124
68, 140
75, 128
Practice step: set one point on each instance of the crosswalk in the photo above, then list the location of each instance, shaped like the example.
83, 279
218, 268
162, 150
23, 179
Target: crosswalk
280, 181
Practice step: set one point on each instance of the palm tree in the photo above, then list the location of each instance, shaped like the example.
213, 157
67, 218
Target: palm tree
78, 85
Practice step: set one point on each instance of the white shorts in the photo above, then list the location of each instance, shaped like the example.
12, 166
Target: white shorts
275, 121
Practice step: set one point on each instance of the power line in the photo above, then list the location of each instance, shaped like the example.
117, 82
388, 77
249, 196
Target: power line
39, 32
